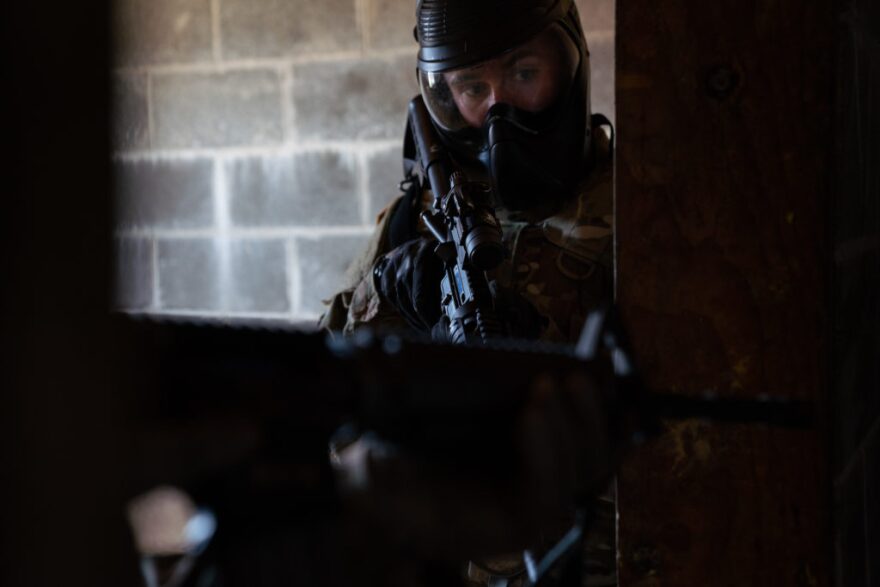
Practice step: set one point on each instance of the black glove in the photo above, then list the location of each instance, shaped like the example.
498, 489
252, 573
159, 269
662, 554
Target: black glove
408, 278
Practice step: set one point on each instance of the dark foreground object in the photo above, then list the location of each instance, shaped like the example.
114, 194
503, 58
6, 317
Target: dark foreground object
240, 416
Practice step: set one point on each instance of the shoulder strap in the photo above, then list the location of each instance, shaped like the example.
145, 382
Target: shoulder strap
402, 226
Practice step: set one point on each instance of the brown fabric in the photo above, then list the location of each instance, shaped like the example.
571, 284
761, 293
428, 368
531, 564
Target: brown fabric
357, 304
563, 264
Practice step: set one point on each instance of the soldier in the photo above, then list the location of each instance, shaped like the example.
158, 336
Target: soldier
507, 85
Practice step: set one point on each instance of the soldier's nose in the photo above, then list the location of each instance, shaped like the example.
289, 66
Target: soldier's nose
497, 96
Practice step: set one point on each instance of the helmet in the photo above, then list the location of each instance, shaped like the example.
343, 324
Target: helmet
507, 85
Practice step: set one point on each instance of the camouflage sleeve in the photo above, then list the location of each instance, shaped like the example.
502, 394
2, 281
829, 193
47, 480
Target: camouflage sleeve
563, 265
357, 303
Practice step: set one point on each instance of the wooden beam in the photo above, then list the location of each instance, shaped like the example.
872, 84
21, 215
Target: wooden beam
724, 159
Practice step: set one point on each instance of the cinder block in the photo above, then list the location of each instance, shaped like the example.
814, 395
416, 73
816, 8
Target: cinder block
162, 31
189, 274
258, 276
322, 265
130, 114
134, 274
164, 193
279, 28
596, 15
353, 99
391, 24
385, 170
602, 80
307, 189
216, 110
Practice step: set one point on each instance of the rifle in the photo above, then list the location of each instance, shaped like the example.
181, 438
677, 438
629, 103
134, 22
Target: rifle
463, 222
296, 389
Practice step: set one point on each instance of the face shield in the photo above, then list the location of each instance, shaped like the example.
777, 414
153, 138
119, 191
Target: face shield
519, 112
533, 78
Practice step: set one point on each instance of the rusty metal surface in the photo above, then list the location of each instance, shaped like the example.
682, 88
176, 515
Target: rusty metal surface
723, 177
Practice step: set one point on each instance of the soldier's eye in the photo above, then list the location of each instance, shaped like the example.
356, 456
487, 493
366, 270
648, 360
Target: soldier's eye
526, 74
475, 90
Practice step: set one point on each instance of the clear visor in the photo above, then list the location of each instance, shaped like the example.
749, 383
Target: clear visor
531, 77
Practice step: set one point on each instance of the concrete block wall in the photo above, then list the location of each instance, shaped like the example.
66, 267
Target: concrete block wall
256, 140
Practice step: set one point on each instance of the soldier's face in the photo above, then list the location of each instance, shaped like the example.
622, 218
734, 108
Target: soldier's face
529, 78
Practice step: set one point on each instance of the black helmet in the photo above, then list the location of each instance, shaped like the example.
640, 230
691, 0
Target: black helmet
507, 84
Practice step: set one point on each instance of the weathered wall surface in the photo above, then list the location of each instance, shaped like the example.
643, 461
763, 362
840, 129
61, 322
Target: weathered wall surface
256, 140
722, 193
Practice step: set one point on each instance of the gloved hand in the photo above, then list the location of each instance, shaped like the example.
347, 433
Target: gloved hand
408, 278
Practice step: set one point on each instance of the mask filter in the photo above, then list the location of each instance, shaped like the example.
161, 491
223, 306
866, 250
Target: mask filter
527, 168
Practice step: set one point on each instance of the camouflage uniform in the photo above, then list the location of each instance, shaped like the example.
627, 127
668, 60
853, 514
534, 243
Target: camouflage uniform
562, 264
